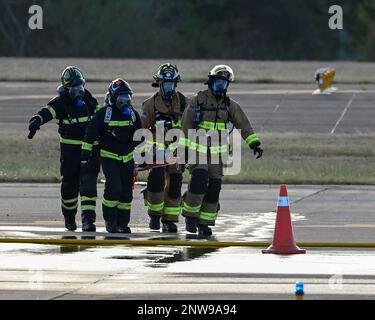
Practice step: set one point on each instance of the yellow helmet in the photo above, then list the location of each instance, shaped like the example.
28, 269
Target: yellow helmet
325, 77
222, 71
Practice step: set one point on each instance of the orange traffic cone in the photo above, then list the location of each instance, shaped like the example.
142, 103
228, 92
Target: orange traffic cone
283, 238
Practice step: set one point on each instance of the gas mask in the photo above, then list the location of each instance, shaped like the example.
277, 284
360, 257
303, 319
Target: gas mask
219, 86
168, 88
123, 103
76, 93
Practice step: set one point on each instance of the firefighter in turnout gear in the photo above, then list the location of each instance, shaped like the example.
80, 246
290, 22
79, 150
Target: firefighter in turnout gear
211, 110
165, 109
73, 109
115, 125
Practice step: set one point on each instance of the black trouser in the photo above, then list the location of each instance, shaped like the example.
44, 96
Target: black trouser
118, 192
76, 181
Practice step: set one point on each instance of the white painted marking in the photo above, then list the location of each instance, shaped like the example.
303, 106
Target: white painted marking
343, 113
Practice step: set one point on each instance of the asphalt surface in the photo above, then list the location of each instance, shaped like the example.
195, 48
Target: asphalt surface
271, 108
320, 214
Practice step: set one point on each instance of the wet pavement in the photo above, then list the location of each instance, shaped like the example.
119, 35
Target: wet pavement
320, 213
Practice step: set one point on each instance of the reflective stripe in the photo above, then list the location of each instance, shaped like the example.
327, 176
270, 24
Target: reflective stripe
209, 125
120, 123
114, 156
208, 216
219, 149
98, 107
110, 204
124, 205
176, 124
110, 155
172, 211
79, 120
70, 207
51, 110
188, 208
40, 117
128, 157
87, 146
155, 206
252, 138
70, 141
88, 199
198, 147
70, 200
88, 208
283, 202
184, 142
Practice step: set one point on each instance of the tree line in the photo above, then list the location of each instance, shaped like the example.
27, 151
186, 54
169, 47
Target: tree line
204, 29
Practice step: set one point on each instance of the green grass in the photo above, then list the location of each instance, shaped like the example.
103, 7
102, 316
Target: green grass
288, 158
47, 69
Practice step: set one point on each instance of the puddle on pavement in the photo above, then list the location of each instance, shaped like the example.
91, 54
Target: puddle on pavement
161, 259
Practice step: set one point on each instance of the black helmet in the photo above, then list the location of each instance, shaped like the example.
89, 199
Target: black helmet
72, 77
166, 72
118, 87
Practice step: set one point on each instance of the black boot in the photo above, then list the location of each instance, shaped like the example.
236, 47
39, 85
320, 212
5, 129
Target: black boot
111, 226
123, 221
204, 230
70, 222
110, 218
191, 224
154, 223
169, 226
88, 221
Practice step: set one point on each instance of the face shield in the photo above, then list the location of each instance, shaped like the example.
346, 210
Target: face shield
76, 92
123, 103
220, 86
168, 89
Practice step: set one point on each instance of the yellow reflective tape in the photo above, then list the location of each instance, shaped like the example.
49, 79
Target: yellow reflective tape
87, 146
98, 107
51, 110
188, 208
70, 141
88, 199
70, 207
198, 147
155, 206
124, 206
40, 117
88, 208
79, 120
208, 125
120, 123
184, 142
219, 149
110, 204
110, 155
172, 211
128, 157
252, 138
70, 200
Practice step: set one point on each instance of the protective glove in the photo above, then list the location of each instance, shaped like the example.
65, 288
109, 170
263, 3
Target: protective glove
34, 126
257, 150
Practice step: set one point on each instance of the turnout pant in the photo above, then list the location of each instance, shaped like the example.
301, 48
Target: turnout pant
118, 192
77, 182
201, 201
163, 194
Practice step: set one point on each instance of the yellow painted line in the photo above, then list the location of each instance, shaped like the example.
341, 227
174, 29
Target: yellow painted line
177, 243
